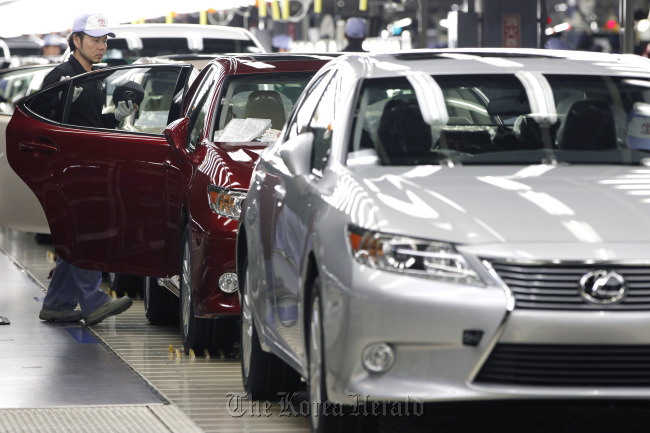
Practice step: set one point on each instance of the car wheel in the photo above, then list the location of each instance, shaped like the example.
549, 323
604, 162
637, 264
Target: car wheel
125, 284
160, 305
191, 329
43, 238
326, 416
197, 334
263, 374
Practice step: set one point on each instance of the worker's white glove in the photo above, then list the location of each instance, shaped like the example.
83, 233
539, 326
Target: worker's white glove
124, 110
77, 90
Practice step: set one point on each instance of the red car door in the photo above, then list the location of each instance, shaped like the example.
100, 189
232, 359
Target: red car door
105, 190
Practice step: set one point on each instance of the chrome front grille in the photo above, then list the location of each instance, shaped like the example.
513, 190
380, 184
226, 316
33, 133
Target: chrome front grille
594, 366
556, 287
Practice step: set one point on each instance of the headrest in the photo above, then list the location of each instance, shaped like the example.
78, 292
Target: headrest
402, 129
266, 104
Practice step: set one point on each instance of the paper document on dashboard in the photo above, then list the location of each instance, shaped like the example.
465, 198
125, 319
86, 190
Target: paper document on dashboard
244, 129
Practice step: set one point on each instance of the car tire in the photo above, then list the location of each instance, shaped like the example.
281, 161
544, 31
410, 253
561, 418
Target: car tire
43, 238
326, 416
125, 284
263, 374
160, 305
197, 334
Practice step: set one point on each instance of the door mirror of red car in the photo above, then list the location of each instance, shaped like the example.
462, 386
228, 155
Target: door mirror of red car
296, 154
176, 134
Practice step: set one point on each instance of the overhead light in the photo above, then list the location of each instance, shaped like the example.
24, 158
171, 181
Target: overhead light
557, 29
403, 22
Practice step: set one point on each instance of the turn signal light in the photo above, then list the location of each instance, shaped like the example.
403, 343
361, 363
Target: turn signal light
226, 202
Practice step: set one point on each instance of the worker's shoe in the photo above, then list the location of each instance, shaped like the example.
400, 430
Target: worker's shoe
59, 315
111, 308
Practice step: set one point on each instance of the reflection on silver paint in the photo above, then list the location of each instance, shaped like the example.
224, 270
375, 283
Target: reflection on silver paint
422, 171
547, 202
411, 205
636, 184
349, 197
504, 183
582, 231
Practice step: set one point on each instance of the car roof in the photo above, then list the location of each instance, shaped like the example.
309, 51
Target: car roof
27, 68
496, 61
255, 63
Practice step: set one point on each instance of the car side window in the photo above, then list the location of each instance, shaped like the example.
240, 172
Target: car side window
199, 109
90, 100
303, 114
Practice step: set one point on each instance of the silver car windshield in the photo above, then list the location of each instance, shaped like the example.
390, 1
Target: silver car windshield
498, 119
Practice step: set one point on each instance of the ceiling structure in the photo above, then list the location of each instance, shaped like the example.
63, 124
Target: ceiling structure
48, 16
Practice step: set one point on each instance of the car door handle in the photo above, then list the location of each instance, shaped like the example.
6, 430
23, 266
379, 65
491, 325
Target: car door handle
33, 146
279, 191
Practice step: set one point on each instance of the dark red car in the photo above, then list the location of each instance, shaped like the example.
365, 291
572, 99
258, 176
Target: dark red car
159, 195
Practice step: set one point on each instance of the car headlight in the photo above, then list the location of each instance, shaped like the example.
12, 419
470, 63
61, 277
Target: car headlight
225, 202
418, 257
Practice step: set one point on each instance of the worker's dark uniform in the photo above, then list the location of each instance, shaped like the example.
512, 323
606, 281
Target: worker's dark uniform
354, 45
86, 110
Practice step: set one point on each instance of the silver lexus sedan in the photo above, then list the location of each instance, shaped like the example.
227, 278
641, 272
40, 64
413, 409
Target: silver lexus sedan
452, 225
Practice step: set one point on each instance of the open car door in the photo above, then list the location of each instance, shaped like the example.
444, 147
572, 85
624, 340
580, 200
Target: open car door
105, 189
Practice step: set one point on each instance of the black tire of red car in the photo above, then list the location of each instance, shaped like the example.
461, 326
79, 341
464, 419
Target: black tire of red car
326, 416
126, 284
263, 374
160, 305
43, 238
197, 334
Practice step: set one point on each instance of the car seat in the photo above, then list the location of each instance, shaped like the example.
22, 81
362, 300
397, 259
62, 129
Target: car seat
266, 104
402, 130
589, 125
529, 133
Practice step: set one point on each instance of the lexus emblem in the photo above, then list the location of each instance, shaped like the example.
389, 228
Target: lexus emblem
603, 287
130, 95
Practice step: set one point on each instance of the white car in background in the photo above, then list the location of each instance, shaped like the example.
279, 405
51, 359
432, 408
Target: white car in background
133, 41
19, 209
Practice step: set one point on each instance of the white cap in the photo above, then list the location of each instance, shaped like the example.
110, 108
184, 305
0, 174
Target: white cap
355, 28
94, 25
281, 41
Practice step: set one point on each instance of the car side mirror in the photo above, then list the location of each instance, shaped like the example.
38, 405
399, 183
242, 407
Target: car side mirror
176, 134
296, 154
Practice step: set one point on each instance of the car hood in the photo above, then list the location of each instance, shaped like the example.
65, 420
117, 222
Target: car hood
474, 205
234, 161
